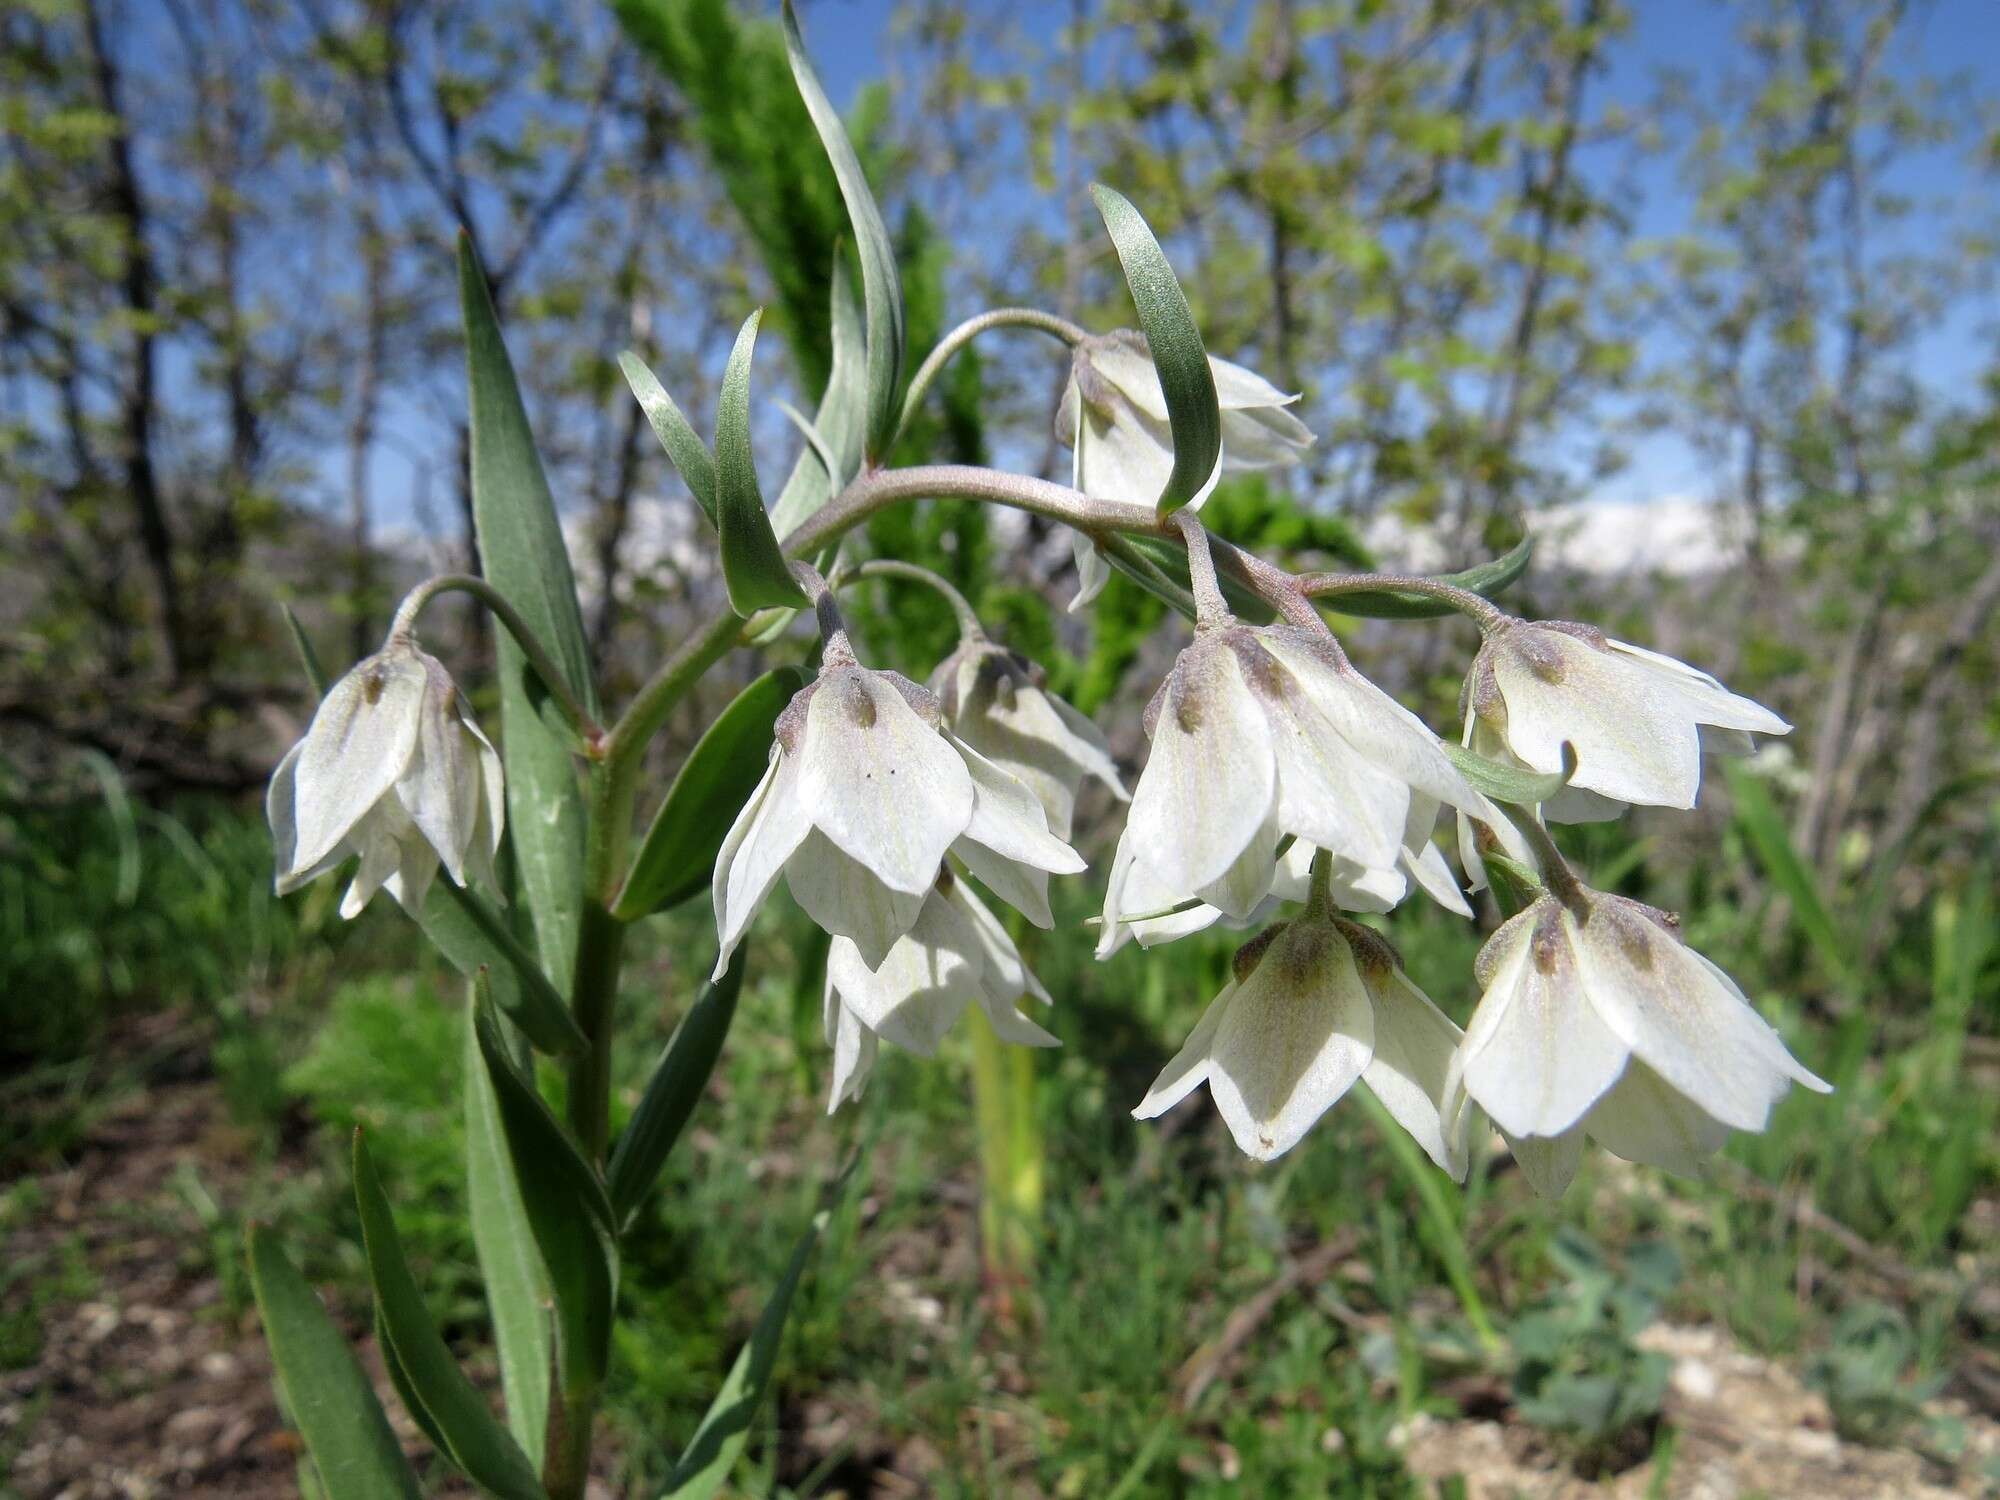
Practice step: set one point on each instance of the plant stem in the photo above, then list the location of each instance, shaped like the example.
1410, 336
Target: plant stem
965, 333
1210, 609
1556, 873
404, 627
1331, 585
969, 627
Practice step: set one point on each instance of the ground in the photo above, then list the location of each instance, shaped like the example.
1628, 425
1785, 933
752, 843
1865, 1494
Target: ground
140, 1370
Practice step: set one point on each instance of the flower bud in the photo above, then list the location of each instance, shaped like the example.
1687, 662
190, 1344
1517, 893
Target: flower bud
391, 769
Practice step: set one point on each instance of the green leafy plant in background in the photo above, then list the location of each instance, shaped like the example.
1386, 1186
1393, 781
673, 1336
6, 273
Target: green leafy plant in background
1579, 1372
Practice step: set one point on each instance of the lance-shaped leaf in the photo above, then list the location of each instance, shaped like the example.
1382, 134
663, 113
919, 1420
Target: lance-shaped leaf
510, 1262
1487, 579
451, 1407
353, 1448
470, 932
881, 288
677, 857
685, 449
718, 1441
842, 418
670, 1097
753, 567
1515, 784
308, 658
522, 554
566, 1208
1178, 356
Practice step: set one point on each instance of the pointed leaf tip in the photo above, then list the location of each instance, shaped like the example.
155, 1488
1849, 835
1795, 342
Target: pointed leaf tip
753, 565
1193, 414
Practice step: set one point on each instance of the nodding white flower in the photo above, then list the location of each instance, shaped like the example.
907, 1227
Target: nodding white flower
998, 702
1114, 415
864, 796
392, 769
1260, 732
1639, 720
1598, 1020
1316, 1005
956, 954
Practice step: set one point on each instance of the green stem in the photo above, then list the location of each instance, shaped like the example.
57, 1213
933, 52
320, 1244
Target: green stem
969, 627
1556, 873
1332, 585
965, 333
539, 657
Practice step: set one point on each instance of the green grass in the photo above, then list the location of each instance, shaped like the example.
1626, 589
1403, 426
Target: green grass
1151, 1240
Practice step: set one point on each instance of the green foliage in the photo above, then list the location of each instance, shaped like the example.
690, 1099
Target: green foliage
1864, 1374
1578, 1372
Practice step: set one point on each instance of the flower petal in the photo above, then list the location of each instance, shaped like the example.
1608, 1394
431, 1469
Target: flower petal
921, 987
1643, 1119
772, 825
882, 784
1188, 1069
1548, 1162
854, 1048
843, 896
1007, 818
1536, 1055
1414, 1042
1297, 1035
356, 749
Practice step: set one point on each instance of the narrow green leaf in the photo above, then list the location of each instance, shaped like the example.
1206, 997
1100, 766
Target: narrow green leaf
718, 1442
677, 857
1189, 385
308, 658
753, 567
405, 1392
330, 1400
881, 287
842, 417
1764, 826
455, 1410
1487, 579
522, 554
510, 1262
470, 932
670, 1097
566, 1207
1171, 560
685, 449
1515, 784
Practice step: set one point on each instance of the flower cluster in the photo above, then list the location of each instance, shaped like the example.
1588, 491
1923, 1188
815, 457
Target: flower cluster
1277, 776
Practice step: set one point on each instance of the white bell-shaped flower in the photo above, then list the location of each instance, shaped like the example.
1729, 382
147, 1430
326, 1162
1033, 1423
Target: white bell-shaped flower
1317, 1005
956, 954
998, 702
392, 769
1639, 720
864, 796
1598, 1020
1258, 733
1114, 415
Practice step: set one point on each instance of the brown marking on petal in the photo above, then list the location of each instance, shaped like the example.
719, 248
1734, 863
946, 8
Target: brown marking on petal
1540, 655
1265, 674
1244, 964
1549, 947
852, 695
791, 726
1483, 690
1590, 635
945, 880
371, 690
1374, 955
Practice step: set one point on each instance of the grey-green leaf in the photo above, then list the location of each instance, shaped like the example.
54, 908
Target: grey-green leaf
1189, 385
678, 855
718, 1441
510, 1262
471, 933
451, 1406
670, 1097
522, 554
330, 1400
842, 417
566, 1207
1487, 579
881, 287
1515, 784
685, 449
753, 568
1172, 561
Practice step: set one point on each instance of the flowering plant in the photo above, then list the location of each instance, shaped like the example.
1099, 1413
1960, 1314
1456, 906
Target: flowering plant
898, 814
